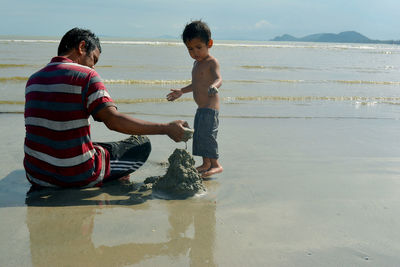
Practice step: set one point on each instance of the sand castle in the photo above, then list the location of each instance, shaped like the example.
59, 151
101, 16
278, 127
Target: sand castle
181, 179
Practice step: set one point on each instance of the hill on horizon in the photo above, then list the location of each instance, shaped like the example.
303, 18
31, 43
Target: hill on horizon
343, 37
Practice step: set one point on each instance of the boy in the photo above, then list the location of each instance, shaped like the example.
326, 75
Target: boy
206, 79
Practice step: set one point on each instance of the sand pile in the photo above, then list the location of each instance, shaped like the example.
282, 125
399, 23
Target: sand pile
182, 179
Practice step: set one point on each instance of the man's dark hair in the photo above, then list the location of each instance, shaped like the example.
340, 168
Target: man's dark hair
196, 29
74, 36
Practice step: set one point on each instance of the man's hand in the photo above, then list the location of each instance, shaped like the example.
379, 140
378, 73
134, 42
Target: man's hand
175, 94
176, 131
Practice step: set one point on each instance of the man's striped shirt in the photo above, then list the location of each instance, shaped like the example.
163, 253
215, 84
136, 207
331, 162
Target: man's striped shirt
58, 102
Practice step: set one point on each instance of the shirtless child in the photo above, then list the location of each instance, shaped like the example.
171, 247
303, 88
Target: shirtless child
206, 79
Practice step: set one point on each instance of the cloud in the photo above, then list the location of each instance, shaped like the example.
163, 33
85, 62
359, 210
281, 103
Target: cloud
262, 24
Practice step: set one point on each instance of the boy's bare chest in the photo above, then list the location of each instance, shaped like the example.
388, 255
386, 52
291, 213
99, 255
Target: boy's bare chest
200, 72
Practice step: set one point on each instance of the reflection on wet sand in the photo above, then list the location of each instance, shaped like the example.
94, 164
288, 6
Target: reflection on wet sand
61, 225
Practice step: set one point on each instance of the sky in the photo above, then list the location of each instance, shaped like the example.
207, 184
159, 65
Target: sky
228, 20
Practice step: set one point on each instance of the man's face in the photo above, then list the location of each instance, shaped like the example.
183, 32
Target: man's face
89, 59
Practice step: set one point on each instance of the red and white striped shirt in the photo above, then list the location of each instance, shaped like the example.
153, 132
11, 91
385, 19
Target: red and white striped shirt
58, 149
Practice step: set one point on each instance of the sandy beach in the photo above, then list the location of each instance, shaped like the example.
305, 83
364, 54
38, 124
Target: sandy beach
309, 146
311, 196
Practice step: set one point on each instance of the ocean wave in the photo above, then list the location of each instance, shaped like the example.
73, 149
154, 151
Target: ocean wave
150, 43
158, 82
5, 66
361, 99
117, 101
227, 116
373, 48
234, 44
316, 81
116, 42
261, 67
253, 67
149, 100
11, 102
16, 79
28, 41
19, 79
365, 82
379, 69
358, 100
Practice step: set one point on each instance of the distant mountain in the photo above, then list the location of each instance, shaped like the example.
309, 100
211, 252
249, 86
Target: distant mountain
343, 37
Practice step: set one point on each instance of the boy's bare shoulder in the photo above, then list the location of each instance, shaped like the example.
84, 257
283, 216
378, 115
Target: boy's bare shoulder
212, 61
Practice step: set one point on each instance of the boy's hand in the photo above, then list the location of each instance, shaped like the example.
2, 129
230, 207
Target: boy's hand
175, 94
212, 91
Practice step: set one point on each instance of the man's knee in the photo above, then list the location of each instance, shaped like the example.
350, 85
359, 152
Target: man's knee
146, 145
143, 145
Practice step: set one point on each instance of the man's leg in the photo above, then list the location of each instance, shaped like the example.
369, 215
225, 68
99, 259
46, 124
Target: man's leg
126, 156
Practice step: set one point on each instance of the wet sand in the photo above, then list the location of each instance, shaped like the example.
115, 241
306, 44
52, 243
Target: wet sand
294, 192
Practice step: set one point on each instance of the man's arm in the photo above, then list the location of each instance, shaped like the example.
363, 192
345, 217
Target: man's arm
117, 121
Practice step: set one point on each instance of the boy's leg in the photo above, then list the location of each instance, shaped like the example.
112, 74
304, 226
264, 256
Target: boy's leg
215, 168
204, 137
205, 166
126, 156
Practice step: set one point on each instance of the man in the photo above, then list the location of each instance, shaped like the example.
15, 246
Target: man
58, 102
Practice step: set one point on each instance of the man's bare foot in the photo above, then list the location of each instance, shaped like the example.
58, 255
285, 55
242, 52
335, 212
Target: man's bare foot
212, 171
124, 178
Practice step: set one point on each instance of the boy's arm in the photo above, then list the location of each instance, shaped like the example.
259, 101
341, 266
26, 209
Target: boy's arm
187, 89
176, 93
215, 72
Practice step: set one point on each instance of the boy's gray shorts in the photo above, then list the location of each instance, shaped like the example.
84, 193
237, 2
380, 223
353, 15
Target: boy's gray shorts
205, 133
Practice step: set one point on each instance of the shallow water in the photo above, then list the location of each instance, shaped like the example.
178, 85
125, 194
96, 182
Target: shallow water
308, 141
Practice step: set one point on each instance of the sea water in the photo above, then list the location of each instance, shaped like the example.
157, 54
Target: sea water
260, 79
308, 140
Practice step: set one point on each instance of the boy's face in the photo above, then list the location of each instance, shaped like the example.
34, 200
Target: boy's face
198, 50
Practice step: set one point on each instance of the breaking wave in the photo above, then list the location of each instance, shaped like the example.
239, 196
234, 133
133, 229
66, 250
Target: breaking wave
227, 100
161, 82
380, 48
19, 79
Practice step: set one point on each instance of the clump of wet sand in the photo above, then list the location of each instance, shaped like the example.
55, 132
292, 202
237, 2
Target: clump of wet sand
181, 179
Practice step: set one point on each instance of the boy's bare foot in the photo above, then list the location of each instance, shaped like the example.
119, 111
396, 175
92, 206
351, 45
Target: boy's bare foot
202, 168
212, 171
205, 166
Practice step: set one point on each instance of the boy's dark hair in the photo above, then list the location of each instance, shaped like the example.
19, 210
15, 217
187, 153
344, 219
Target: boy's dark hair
196, 29
72, 39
